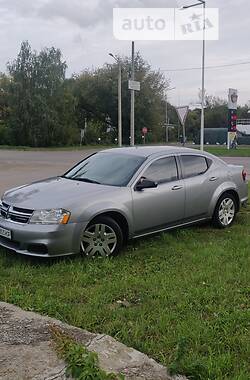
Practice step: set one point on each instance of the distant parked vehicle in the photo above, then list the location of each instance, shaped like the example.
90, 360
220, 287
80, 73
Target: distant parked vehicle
120, 194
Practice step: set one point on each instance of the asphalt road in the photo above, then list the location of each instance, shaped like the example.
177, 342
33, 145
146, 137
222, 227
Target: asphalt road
20, 167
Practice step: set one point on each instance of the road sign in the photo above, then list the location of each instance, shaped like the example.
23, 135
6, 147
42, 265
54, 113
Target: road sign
134, 85
232, 99
182, 113
144, 130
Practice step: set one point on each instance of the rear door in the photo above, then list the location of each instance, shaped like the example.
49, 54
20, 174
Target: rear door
200, 184
162, 206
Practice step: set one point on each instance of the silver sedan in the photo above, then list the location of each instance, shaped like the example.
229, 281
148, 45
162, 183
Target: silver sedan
120, 194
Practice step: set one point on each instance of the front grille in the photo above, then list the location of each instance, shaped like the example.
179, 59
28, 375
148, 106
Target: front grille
15, 214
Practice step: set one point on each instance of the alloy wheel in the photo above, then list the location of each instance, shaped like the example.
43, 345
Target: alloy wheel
99, 240
226, 212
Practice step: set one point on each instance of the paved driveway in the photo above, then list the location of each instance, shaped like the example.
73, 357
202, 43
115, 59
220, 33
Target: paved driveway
20, 167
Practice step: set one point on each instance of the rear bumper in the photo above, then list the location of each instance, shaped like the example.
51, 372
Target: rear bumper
43, 240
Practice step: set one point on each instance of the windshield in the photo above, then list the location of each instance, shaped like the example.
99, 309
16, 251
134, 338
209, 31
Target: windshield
112, 169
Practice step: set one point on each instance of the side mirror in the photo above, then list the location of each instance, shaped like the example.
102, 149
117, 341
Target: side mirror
145, 183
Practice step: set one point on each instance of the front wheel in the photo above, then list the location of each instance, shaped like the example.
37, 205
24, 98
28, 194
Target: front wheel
225, 211
103, 237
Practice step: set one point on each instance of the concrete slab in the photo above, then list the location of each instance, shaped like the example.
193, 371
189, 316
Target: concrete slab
26, 350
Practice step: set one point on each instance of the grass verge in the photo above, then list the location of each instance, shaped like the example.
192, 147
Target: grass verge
224, 152
180, 297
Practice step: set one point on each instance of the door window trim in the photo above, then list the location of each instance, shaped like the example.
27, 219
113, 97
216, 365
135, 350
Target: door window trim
141, 172
209, 163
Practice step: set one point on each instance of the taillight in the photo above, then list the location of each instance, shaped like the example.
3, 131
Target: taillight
244, 175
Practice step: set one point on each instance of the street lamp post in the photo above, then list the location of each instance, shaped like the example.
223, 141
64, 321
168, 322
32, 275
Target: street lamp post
119, 99
132, 112
203, 3
167, 123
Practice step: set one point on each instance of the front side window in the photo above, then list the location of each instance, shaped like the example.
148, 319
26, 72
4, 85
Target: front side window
162, 170
193, 165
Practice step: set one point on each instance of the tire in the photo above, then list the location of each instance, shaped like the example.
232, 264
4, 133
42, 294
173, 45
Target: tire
103, 237
225, 211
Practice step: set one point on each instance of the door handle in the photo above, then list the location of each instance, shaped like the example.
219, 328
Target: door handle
213, 179
177, 187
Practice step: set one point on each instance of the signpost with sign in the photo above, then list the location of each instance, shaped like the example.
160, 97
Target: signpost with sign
232, 117
134, 85
182, 113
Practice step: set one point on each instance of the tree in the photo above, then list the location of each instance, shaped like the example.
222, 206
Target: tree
96, 94
40, 100
216, 116
4, 108
20, 95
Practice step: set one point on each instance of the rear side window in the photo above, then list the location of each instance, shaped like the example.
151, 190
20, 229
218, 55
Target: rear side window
162, 170
193, 165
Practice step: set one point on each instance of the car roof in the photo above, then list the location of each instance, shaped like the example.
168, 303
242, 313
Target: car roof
147, 151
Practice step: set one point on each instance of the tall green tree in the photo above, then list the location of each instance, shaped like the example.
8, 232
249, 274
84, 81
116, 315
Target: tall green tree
216, 116
39, 98
4, 108
97, 99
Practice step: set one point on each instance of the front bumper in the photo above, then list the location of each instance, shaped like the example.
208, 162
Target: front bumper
43, 240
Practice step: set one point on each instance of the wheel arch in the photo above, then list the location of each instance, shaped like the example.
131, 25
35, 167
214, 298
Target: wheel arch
225, 188
232, 192
119, 218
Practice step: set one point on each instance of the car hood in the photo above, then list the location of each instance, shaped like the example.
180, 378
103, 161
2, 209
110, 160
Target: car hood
54, 193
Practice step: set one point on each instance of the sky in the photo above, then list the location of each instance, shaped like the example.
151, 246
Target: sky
83, 30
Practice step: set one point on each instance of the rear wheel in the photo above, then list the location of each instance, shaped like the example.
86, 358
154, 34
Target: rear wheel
225, 211
103, 237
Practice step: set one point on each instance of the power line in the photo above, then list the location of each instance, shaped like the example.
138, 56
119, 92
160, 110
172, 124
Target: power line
207, 67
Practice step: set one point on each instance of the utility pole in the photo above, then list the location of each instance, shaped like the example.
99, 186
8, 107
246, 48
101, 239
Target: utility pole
203, 79
119, 104
119, 99
132, 115
203, 3
167, 119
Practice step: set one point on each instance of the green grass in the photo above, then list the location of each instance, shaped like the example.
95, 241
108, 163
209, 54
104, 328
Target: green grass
187, 296
223, 151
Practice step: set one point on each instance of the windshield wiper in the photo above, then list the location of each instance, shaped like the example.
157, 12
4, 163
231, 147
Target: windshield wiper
86, 180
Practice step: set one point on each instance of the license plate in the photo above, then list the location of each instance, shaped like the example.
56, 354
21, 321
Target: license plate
5, 233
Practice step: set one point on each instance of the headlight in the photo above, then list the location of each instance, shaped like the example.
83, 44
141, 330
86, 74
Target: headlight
54, 216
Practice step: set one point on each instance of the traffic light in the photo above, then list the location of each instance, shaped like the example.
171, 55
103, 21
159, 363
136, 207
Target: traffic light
232, 121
